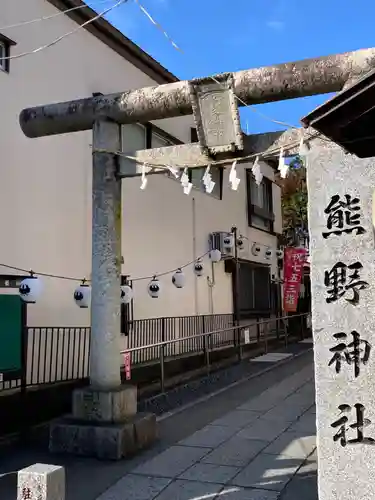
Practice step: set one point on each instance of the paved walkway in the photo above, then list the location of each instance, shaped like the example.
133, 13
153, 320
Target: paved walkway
253, 441
262, 450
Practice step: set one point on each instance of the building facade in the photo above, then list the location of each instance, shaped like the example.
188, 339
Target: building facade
45, 184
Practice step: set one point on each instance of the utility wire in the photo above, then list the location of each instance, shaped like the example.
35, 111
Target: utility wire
46, 18
171, 271
62, 37
175, 46
266, 153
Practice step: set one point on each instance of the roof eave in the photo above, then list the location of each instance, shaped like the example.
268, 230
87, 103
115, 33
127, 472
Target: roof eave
112, 37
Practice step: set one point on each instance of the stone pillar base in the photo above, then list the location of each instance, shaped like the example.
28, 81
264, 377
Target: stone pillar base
105, 441
96, 405
104, 424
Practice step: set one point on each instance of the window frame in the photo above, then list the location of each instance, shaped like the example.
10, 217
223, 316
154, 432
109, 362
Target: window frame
254, 288
267, 215
6, 43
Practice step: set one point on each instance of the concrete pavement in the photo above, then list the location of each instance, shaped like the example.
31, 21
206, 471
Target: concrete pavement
254, 440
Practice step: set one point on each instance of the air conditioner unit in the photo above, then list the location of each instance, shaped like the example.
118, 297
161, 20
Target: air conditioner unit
224, 242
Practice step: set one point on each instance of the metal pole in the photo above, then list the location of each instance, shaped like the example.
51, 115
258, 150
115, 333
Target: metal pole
206, 345
106, 259
253, 86
162, 357
236, 294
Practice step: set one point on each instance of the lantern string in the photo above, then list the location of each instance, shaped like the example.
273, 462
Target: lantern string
71, 278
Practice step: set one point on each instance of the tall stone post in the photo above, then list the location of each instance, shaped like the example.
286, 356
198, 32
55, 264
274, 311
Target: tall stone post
105, 423
106, 258
341, 200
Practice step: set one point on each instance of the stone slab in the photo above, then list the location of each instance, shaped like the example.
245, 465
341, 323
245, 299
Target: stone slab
111, 406
190, 490
309, 467
301, 488
171, 462
41, 482
283, 413
260, 404
271, 357
263, 430
268, 472
103, 441
235, 493
292, 445
210, 473
300, 400
134, 487
237, 419
235, 452
306, 424
209, 437
343, 301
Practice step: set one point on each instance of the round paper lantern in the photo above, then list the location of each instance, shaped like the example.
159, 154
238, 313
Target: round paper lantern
30, 289
240, 243
215, 255
178, 279
82, 295
126, 294
228, 242
268, 254
198, 268
154, 288
255, 249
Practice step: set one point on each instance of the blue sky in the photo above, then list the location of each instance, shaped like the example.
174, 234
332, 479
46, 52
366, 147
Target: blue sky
222, 35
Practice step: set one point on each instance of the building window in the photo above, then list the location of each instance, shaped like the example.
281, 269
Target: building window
259, 203
134, 137
254, 290
5, 45
158, 141
196, 175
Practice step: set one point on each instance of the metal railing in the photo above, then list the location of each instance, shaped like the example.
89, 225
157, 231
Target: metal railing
260, 333
57, 354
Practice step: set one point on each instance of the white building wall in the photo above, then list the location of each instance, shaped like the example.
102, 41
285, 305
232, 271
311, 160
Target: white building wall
45, 184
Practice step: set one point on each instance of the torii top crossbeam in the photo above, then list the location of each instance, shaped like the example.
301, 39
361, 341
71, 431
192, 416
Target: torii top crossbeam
253, 86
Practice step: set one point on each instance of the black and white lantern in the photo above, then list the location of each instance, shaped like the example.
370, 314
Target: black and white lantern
268, 254
82, 295
126, 294
154, 288
178, 279
255, 249
30, 289
198, 268
240, 243
228, 242
215, 255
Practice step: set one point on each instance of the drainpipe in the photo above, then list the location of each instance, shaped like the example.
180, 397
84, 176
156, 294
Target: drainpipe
195, 256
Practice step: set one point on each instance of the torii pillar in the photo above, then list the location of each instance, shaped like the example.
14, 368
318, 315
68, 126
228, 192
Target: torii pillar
104, 421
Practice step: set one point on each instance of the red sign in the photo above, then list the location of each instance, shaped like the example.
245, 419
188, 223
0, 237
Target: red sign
127, 363
294, 259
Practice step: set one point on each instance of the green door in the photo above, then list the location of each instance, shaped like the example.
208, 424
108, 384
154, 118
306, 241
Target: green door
10, 335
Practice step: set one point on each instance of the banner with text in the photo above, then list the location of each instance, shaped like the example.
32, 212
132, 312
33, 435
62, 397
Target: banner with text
294, 259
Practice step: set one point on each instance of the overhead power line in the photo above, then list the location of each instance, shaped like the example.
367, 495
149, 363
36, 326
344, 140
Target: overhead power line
62, 37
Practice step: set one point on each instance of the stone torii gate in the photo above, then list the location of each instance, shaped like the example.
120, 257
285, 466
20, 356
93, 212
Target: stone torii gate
107, 404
